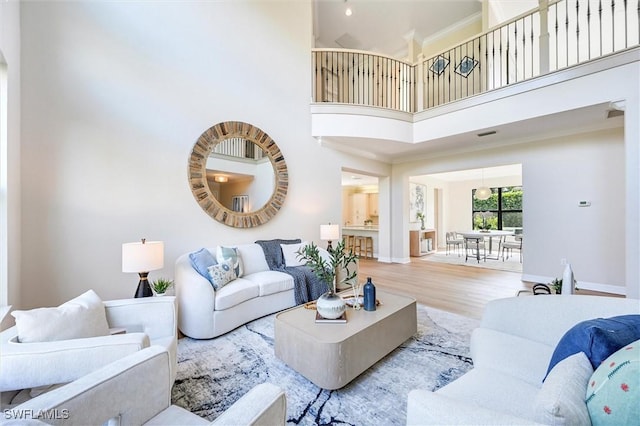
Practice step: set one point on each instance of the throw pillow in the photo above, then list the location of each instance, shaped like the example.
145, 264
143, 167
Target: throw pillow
201, 260
560, 400
273, 253
290, 254
230, 253
597, 338
613, 393
78, 318
221, 274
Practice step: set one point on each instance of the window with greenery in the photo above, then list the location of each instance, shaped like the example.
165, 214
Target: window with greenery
502, 210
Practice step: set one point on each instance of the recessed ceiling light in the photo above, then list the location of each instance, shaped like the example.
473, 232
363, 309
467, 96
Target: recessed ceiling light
348, 12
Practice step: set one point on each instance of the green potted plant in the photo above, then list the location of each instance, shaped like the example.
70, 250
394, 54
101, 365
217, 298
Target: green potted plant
329, 305
420, 217
556, 285
161, 285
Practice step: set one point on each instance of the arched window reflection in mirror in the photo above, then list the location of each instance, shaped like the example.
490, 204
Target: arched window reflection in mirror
238, 174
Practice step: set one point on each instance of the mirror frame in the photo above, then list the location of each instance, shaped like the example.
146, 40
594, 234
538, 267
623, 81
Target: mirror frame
198, 174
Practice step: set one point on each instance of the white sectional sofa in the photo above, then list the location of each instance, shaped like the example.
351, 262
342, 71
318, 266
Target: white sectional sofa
204, 313
511, 351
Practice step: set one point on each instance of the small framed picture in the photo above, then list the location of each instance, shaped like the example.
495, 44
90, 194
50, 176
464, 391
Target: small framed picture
465, 66
438, 65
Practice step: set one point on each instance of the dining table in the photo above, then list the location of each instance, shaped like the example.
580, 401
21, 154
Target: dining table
479, 235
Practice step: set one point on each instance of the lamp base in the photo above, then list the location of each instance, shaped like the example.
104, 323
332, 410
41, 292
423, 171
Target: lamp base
329, 247
144, 289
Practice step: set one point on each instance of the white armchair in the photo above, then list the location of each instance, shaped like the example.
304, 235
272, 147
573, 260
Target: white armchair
136, 390
147, 321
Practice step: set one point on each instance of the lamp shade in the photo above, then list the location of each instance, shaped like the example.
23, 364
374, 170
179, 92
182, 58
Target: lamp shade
143, 256
483, 193
329, 232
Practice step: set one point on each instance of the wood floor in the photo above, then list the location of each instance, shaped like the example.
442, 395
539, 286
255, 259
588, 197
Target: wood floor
453, 288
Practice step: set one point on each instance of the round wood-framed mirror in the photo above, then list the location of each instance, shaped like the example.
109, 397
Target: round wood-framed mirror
212, 171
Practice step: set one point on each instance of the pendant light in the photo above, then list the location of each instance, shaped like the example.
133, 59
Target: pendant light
483, 193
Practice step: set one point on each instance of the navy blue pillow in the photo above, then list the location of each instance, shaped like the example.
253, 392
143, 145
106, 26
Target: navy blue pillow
201, 260
597, 338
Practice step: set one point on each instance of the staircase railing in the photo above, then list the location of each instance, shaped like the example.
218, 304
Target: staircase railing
557, 35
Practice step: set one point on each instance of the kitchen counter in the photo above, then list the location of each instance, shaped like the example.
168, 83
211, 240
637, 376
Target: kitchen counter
363, 231
360, 228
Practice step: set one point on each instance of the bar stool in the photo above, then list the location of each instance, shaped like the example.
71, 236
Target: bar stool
349, 242
363, 245
368, 247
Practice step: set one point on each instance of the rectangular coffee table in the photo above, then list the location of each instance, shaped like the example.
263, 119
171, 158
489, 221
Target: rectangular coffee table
331, 355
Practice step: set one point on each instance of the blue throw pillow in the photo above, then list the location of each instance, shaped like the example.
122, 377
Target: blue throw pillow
597, 338
201, 260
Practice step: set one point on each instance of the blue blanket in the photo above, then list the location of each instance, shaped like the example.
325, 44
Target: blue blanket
307, 286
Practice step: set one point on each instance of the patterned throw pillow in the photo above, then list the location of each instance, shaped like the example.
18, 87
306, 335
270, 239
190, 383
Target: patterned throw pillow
614, 388
221, 274
230, 253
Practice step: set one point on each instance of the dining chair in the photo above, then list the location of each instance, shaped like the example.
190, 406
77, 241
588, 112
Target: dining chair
453, 240
509, 246
496, 240
475, 244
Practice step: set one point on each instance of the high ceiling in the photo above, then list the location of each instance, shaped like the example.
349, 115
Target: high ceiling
385, 26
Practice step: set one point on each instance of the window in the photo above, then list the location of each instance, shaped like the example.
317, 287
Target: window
502, 210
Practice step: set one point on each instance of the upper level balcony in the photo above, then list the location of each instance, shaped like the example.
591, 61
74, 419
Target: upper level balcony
386, 108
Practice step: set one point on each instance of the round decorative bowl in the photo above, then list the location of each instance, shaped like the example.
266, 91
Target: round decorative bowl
330, 305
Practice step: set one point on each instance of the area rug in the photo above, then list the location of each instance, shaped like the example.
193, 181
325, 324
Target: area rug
213, 374
511, 264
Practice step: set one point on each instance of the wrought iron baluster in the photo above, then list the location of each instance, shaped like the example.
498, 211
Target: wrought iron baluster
600, 23
566, 29
577, 31
557, 29
613, 25
589, 29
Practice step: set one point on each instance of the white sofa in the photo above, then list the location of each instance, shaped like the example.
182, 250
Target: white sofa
149, 320
204, 313
511, 351
136, 390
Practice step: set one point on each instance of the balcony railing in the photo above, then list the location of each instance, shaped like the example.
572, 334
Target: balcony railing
558, 35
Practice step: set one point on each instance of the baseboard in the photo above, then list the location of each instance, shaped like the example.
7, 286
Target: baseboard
400, 260
586, 285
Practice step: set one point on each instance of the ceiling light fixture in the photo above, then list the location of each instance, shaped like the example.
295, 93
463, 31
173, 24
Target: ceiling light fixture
483, 193
348, 10
221, 179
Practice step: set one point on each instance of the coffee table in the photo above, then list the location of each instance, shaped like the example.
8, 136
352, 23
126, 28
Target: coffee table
331, 355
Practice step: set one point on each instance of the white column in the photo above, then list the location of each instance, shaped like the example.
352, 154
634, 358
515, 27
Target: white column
420, 84
632, 192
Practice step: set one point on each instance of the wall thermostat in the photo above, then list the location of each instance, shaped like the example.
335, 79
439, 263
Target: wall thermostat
584, 203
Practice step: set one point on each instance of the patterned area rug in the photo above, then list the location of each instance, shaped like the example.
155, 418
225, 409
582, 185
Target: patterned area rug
213, 374
511, 264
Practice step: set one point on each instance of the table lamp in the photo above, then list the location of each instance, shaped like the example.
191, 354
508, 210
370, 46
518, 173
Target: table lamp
143, 257
329, 232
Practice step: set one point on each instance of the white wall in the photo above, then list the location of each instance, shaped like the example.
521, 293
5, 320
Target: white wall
10, 182
116, 94
559, 173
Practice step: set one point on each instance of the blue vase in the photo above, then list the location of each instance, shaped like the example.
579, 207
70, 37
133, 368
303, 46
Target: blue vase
369, 296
